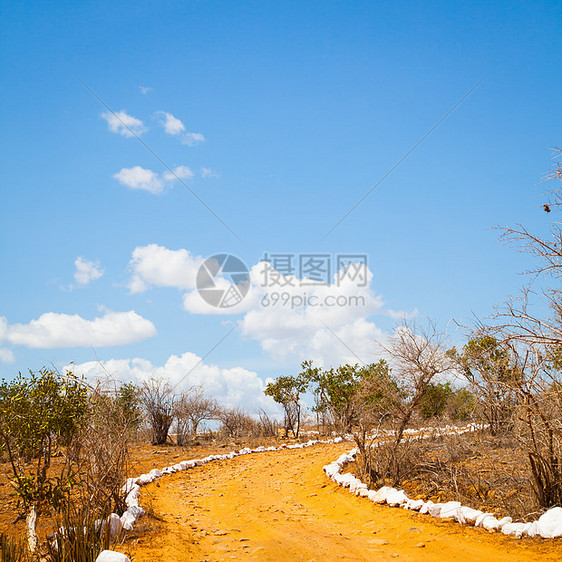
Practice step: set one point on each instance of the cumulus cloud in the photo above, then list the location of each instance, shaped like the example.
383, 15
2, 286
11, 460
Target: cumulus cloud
235, 387
147, 180
325, 322
140, 178
6, 356
158, 266
52, 330
145, 89
291, 318
86, 271
124, 124
172, 125
175, 127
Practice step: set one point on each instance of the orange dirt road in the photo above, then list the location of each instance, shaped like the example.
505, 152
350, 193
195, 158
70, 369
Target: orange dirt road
281, 506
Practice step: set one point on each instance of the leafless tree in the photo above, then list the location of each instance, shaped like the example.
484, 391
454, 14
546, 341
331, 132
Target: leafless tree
265, 426
529, 330
235, 422
539, 419
518, 320
159, 401
100, 452
416, 355
193, 407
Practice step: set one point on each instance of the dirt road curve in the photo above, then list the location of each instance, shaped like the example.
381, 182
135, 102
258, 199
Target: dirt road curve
280, 506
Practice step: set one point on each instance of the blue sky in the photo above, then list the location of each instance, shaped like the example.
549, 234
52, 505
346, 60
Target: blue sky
301, 109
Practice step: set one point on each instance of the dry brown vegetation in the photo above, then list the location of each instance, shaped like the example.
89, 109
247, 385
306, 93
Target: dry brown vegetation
481, 471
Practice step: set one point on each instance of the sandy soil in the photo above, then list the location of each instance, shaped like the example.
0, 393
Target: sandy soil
281, 506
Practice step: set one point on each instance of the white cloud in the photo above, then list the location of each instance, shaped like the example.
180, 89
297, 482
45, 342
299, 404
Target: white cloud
3, 328
158, 266
209, 173
53, 330
124, 124
291, 319
175, 127
401, 315
172, 125
161, 267
324, 322
6, 356
147, 180
235, 387
192, 139
180, 172
145, 89
140, 178
86, 271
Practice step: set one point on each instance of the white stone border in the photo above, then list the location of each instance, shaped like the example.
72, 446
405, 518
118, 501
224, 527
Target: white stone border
548, 526
133, 485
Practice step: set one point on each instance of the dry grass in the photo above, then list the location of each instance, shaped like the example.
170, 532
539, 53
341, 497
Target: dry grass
491, 474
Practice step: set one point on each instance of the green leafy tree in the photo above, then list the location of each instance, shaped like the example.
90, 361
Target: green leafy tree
487, 365
129, 402
337, 391
37, 414
435, 400
287, 391
461, 405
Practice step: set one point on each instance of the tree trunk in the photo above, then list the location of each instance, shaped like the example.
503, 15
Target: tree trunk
31, 525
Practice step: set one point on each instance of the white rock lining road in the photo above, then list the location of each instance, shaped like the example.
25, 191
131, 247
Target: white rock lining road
132, 489
549, 525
